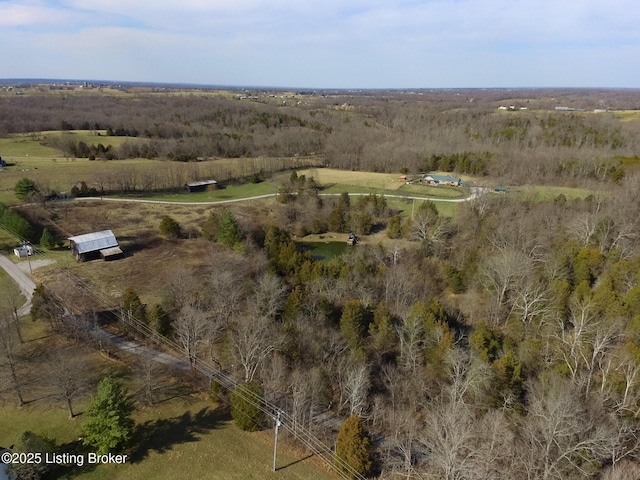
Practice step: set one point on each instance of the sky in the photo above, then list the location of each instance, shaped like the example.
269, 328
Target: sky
357, 44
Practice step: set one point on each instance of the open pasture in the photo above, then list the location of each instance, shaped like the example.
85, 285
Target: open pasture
627, 115
541, 193
370, 180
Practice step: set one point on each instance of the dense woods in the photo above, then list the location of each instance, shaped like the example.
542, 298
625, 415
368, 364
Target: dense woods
502, 343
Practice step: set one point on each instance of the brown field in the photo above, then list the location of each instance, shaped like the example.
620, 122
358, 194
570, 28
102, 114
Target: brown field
151, 260
328, 176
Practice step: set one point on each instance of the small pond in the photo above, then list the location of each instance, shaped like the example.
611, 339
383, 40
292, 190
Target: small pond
324, 251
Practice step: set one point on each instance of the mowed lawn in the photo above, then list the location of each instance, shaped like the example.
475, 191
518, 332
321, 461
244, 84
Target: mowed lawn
186, 437
236, 192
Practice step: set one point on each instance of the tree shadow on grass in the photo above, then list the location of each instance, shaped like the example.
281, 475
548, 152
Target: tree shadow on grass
73, 450
162, 434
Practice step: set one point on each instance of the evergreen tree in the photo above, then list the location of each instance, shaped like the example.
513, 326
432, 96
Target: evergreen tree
109, 426
246, 402
47, 240
24, 188
170, 228
30, 442
210, 226
229, 233
353, 448
17, 225
133, 306
337, 219
382, 330
394, 227
354, 325
159, 320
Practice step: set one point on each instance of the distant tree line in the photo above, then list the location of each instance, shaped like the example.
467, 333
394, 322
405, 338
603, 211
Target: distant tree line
391, 133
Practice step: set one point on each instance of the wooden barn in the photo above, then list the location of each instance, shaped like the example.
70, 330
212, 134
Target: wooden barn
95, 245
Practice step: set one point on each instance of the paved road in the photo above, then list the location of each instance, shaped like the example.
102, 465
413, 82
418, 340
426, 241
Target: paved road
475, 191
131, 347
27, 286
24, 282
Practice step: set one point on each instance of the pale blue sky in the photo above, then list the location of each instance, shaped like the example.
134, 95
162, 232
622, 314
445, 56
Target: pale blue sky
326, 44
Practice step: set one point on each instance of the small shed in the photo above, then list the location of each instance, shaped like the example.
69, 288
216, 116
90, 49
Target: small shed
23, 251
95, 245
199, 186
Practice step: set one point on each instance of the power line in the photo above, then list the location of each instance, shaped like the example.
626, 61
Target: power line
269, 409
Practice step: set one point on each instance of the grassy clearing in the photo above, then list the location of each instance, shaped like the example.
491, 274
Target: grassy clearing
368, 180
425, 191
7, 242
26, 145
184, 437
443, 191
338, 181
228, 193
627, 115
9, 292
547, 193
27, 157
151, 259
447, 209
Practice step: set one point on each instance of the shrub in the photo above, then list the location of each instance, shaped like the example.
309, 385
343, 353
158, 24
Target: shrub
25, 188
353, 448
246, 402
170, 228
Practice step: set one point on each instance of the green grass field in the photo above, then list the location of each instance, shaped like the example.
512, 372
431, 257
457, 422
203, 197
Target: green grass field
228, 193
184, 437
443, 191
541, 193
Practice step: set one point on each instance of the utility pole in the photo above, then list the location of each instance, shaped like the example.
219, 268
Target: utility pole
275, 442
28, 249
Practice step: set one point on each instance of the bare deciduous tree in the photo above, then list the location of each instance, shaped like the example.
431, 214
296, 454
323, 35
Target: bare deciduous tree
562, 434
9, 354
502, 273
66, 376
254, 338
189, 328
354, 386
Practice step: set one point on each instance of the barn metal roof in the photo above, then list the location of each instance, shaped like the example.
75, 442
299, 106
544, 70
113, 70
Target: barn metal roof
201, 183
90, 242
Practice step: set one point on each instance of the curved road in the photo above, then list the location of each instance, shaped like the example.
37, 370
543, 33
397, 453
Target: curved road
27, 286
475, 192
